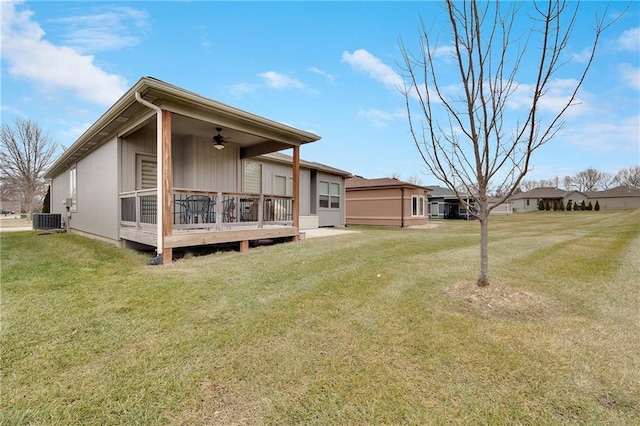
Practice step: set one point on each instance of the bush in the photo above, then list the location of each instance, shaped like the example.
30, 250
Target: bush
541, 205
590, 206
561, 205
555, 205
597, 206
547, 206
575, 207
583, 206
569, 205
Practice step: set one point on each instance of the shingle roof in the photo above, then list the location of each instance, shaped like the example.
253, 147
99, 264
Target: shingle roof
619, 191
546, 192
358, 182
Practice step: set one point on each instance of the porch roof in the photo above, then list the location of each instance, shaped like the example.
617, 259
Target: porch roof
194, 115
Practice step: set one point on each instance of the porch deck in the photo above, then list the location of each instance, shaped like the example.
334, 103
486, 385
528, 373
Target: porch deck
207, 218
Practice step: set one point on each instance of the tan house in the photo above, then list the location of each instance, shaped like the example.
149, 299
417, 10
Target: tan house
167, 168
529, 200
621, 197
386, 202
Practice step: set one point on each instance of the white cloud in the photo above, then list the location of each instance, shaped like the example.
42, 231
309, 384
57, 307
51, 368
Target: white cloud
29, 56
555, 98
110, 29
241, 89
631, 75
363, 61
630, 40
382, 118
280, 81
322, 73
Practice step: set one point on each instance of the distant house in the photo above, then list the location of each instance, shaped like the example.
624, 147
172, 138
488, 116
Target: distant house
168, 168
621, 197
444, 204
530, 200
385, 201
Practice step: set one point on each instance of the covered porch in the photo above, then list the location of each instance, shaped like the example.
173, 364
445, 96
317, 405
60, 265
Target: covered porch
186, 175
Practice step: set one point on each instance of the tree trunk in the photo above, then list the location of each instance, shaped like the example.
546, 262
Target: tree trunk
483, 280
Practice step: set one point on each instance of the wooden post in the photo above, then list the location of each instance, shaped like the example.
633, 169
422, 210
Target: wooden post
167, 185
244, 246
296, 187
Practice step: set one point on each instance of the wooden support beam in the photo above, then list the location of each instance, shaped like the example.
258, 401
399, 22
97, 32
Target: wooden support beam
296, 187
244, 246
167, 185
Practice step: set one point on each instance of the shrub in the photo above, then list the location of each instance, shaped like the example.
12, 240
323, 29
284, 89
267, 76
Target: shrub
555, 205
597, 206
575, 207
583, 206
541, 205
547, 206
561, 205
569, 205
589, 206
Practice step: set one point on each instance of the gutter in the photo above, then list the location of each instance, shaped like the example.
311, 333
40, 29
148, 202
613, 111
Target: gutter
160, 205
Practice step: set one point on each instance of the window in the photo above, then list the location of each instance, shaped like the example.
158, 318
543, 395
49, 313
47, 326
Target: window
73, 188
147, 172
283, 185
417, 205
252, 177
329, 195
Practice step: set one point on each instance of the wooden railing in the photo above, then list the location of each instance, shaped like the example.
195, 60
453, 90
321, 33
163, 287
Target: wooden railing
194, 209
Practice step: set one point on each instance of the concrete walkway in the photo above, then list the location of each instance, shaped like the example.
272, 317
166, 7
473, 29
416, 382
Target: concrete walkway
326, 232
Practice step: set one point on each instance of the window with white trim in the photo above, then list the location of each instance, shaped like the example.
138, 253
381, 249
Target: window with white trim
417, 206
329, 194
73, 188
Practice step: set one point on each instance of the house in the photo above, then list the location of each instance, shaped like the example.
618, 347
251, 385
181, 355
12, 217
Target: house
167, 168
322, 188
385, 201
444, 204
621, 197
530, 200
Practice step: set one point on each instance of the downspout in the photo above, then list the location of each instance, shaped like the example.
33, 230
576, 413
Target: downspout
159, 241
402, 207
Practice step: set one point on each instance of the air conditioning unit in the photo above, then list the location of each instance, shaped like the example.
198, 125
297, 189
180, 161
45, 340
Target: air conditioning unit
44, 221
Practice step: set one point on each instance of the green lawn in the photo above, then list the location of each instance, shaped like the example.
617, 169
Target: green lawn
378, 327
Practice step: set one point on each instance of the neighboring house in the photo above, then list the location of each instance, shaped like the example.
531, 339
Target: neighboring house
168, 168
322, 188
621, 197
530, 200
385, 201
444, 204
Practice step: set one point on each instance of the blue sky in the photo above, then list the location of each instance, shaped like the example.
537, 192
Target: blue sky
325, 67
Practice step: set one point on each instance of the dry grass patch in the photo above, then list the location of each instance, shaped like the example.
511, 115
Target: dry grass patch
497, 301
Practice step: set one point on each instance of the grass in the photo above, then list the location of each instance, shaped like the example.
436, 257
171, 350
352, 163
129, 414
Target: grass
379, 327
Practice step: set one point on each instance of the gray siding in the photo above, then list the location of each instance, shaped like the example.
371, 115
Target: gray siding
196, 165
329, 216
97, 193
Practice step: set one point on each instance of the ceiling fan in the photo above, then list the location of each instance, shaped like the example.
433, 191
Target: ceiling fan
218, 139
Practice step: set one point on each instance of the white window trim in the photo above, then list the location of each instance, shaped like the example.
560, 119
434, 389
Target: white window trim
419, 209
73, 187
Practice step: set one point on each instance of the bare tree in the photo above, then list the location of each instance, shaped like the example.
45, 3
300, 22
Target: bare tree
25, 154
567, 181
590, 180
628, 177
468, 136
415, 180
